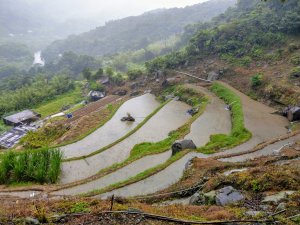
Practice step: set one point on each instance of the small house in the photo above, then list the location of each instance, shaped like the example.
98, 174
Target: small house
24, 117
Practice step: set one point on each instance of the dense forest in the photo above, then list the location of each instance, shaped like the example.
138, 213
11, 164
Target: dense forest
269, 22
137, 32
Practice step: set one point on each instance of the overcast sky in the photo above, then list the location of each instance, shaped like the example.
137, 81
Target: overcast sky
108, 9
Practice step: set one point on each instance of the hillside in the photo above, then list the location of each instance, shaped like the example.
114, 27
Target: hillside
195, 136
136, 32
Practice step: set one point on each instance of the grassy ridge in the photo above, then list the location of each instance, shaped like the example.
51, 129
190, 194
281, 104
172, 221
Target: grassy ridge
239, 133
37, 166
55, 105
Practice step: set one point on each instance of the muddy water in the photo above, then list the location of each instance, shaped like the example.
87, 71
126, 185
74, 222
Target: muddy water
157, 182
260, 121
269, 150
139, 107
122, 174
215, 120
169, 118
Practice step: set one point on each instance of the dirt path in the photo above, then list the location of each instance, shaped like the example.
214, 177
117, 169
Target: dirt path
139, 107
169, 118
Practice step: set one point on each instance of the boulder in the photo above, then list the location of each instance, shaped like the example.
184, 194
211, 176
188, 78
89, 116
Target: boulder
280, 196
211, 76
31, 221
253, 213
120, 92
181, 145
197, 199
228, 195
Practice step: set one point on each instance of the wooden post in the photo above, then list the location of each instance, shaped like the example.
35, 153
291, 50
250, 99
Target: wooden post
112, 202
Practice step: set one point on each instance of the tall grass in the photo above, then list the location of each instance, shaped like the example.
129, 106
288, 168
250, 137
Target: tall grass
39, 166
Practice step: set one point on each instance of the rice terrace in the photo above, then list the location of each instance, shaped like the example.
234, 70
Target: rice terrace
194, 119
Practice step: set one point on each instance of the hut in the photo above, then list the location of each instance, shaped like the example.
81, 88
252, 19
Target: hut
25, 117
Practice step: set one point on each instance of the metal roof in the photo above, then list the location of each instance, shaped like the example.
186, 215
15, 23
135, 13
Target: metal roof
21, 116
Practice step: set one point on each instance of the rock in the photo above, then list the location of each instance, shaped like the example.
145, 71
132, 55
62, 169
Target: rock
281, 206
253, 213
264, 207
228, 195
212, 76
31, 221
121, 92
197, 199
134, 93
227, 173
277, 197
181, 145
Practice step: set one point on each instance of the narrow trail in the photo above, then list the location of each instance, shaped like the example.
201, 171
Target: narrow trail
139, 107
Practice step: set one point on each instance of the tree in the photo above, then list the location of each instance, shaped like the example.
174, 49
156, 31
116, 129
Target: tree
109, 71
87, 74
99, 73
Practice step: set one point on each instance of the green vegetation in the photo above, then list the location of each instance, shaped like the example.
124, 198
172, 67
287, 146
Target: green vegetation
132, 33
256, 80
3, 127
38, 166
295, 72
37, 91
42, 137
270, 24
239, 133
67, 99
295, 60
80, 207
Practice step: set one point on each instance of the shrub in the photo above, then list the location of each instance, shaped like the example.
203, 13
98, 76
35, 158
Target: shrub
42, 137
295, 72
95, 86
256, 80
295, 59
41, 166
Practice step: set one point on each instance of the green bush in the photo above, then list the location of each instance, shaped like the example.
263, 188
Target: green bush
256, 80
295, 59
42, 137
295, 72
95, 86
40, 166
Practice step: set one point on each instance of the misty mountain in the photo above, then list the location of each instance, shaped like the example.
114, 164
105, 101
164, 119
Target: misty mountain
136, 32
35, 25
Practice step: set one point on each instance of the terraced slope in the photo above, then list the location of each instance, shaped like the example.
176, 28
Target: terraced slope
169, 118
260, 121
139, 107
